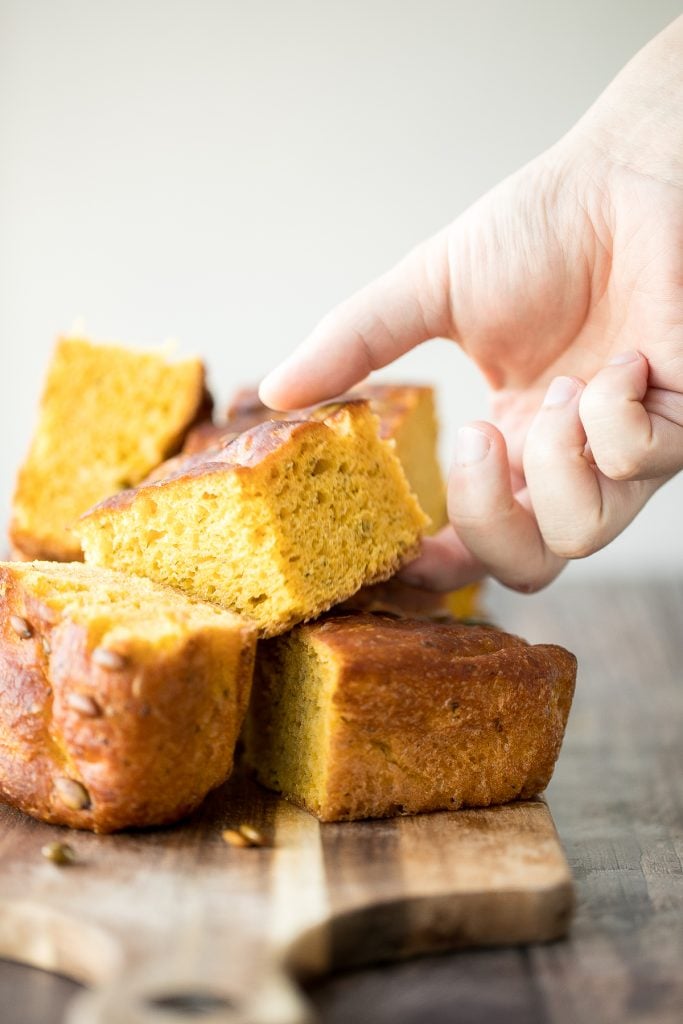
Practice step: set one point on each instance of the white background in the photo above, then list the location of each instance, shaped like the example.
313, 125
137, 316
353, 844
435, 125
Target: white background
224, 172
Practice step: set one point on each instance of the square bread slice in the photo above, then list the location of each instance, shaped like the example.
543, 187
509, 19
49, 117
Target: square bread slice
120, 701
407, 416
368, 716
108, 415
279, 525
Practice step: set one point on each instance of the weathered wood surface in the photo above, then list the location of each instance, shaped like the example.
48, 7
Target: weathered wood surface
618, 800
176, 919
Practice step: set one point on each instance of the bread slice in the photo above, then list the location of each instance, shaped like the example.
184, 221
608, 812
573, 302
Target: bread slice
367, 716
279, 525
120, 700
407, 416
108, 415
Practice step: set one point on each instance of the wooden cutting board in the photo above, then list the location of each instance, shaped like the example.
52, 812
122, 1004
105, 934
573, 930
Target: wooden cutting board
171, 925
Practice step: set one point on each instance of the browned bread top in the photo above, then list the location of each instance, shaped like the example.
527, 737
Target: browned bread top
234, 452
428, 654
382, 640
120, 701
390, 402
279, 524
363, 715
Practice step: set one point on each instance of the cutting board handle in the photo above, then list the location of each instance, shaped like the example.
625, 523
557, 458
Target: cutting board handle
150, 997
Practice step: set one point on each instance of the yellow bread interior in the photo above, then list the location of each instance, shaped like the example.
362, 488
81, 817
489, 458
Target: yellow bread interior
108, 415
278, 526
288, 728
121, 700
408, 416
118, 610
465, 603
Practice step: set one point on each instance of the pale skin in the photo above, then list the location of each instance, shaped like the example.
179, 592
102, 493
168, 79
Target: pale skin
564, 284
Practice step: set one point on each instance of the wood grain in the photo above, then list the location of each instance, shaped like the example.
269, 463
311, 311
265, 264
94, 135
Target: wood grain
617, 798
169, 922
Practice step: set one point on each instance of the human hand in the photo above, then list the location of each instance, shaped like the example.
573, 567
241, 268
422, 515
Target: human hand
565, 285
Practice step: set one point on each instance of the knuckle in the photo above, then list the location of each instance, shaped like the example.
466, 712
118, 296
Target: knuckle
470, 523
622, 465
599, 400
579, 544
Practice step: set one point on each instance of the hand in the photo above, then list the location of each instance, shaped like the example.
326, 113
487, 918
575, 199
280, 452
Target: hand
565, 285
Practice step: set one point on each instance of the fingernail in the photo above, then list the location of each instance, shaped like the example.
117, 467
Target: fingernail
561, 390
624, 357
471, 446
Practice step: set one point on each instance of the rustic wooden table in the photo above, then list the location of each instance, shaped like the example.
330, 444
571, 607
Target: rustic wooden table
617, 798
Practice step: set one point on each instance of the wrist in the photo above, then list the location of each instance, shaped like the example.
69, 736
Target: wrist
637, 122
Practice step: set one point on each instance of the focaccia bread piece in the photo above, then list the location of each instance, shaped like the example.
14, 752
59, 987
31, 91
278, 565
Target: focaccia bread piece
108, 415
280, 524
368, 716
407, 416
120, 701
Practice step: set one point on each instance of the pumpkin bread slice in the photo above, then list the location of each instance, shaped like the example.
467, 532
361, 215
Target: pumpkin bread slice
108, 416
280, 524
367, 716
120, 701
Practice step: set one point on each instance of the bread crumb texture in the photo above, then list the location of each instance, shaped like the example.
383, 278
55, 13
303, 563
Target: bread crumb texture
121, 700
365, 716
107, 416
278, 525
407, 417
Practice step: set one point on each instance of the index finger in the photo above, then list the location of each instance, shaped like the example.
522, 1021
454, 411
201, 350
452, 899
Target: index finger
406, 306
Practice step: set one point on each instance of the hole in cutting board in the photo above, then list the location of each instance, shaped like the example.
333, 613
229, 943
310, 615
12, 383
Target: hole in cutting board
190, 1004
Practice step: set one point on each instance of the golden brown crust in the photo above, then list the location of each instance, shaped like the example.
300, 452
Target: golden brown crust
426, 716
26, 547
245, 411
246, 405
206, 435
241, 452
325, 498
105, 740
391, 402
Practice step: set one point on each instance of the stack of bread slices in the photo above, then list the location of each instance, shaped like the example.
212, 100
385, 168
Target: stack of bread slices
177, 584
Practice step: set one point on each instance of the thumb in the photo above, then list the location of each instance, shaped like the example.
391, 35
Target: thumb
401, 309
